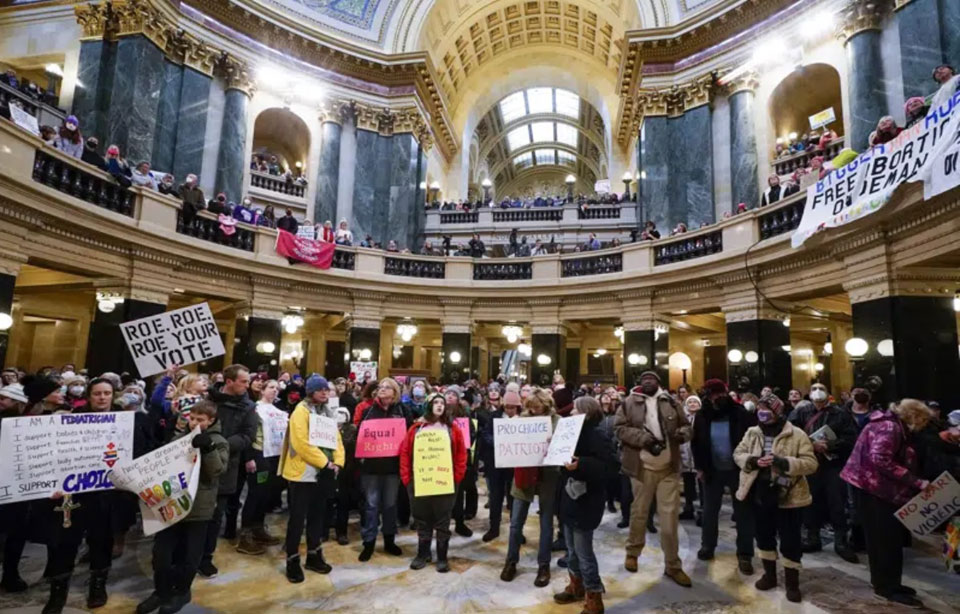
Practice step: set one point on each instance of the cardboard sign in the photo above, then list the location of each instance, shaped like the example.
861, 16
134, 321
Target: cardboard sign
182, 336
274, 422
521, 442
432, 463
564, 440
380, 437
823, 118
932, 507
69, 453
323, 432
25, 120
165, 481
306, 231
463, 425
364, 371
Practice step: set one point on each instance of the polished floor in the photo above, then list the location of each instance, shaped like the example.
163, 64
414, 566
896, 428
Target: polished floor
386, 585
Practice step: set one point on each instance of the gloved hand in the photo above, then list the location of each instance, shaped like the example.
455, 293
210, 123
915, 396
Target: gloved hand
203, 442
751, 464
782, 464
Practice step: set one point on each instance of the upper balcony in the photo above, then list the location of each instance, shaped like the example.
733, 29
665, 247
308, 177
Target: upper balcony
265, 189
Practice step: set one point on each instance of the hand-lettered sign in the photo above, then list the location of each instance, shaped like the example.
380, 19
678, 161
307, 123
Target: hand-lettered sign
521, 442
931, 508
274, 423
432, 463
323, 432
182, 336
564, 440
463, 425
380, 437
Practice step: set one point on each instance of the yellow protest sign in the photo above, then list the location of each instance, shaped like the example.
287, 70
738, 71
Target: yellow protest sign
432, 463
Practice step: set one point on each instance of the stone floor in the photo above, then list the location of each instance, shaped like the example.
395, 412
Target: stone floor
386, 585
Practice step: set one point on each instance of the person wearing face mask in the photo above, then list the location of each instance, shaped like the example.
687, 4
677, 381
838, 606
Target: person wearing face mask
75, 396
417, 405
432, 512
718, 428
775, 457
651, 427
833, 432
44, 395
244, 211
69, 140
691, 406
192, 198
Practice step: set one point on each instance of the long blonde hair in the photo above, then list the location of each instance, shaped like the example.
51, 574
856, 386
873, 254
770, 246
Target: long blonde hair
915, 414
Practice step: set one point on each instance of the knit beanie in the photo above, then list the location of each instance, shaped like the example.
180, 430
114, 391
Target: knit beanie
38, 387
512, 398
715, 386
315, 383
771, 402
652, 374
455, 390
15, 392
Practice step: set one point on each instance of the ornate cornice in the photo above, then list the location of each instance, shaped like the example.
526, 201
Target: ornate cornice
747, 81
860, 16
675, 100
235, 73
753, 311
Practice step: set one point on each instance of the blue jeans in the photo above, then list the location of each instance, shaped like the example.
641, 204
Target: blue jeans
581, 561
380, 494
518, 516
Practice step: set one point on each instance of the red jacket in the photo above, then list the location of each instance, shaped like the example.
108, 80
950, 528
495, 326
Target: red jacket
358, 411
457, 447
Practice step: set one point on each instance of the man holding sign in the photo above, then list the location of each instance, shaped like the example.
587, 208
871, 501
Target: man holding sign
433, 461
182, 336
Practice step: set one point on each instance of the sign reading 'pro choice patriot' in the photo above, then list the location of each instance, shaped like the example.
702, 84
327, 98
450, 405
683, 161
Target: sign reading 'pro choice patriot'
521, 442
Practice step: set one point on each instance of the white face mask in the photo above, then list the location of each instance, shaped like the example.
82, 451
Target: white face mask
71, 127
750, 406
76, 390
818, 394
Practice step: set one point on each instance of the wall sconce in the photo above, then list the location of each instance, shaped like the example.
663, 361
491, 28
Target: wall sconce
106, 302
6, 321
455, 357
544, 360
618, 333
856, 347
266, 347
751, 357
734, 356
885, 347
365, 354
637, 359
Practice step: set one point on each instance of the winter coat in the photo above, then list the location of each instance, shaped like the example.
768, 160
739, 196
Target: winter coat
300, 461
840, 421
90, 156
793, 445
596, 463
458, 451
213, 463
634, 437
739, 420
69, 147
882, 462
546, 482
238, 420
193, 199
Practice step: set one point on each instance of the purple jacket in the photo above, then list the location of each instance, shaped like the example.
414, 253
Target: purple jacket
882, 462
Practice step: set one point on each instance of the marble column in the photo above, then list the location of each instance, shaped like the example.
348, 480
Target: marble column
690, 185
456, 342
95, 72
764, 360
165, 138
912, 348
231, 160
131, 114
106, 350
646, 350
950, 31
545, 346
328, 172
364, 338
346, 181
920, 45
7, 282
365, 182
191, 123
654, 164
407, 217
251, 336
744, 187
861, 21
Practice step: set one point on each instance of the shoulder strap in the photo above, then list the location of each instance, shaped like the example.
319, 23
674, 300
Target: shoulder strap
813, 419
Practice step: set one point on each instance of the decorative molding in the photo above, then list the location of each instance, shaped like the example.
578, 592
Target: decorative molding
861, 16
365, 322
751, 312
548, 329
676, 100
926, 282
257, 311
653, 322
235, 73
457, 328
747, 81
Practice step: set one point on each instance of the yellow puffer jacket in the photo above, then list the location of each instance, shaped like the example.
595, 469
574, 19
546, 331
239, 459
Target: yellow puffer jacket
299, 461
792, 444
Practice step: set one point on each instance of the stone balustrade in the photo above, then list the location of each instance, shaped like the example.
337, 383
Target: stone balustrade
503, 269
599, 212
71, 176
785, 218
536, 214
459, 217
600, 264
688, 247
432, 268
276, 183
786, 166
45, 114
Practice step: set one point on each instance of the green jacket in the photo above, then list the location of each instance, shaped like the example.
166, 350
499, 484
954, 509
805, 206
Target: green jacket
547, 477
212, 464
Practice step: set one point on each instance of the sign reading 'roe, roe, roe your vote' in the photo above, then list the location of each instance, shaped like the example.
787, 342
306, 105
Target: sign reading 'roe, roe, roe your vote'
182, 336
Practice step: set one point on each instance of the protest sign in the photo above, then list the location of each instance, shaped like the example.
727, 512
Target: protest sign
866, 184
274, 422
165, 481
182, 336
25, 120
932, 507
380, 437
323, 432
363, 371
521, 442
463, 425
823, 118
306, 231
432, 463
311, 251
564, 440
69, 453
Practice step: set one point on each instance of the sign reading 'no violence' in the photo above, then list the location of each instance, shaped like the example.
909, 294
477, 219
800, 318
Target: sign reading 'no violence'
182, 336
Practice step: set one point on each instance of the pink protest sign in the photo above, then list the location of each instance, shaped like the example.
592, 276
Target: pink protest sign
463, 425
382, 437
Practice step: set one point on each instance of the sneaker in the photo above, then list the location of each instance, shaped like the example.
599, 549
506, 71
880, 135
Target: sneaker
207, 569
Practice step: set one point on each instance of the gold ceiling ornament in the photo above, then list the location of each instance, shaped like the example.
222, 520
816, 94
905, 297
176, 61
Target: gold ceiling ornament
628, 116
93, 19
235, 73
860, 16
138, 17
747, 81
335, 111
368, 117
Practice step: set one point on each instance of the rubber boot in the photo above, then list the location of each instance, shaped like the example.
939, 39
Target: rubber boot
423, 554
572, 593
769, 578
97, 591
443, 544
791, 579
58, 596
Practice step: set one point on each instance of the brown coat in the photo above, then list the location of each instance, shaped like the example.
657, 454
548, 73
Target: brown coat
633, 435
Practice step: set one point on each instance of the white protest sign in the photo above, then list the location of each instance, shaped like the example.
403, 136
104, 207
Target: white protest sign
273, 421
182, 336
307, 231
823, 118
945, 174
25, 120
564, 440
323, 432
165, 480
333, 402
69, 453
932, 507
364, 371
521, 442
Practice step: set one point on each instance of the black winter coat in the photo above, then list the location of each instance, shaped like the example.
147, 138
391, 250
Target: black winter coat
840, 421
238, 420
597, 462
740, 420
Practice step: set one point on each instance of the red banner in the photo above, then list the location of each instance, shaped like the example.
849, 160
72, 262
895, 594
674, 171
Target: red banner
315, 253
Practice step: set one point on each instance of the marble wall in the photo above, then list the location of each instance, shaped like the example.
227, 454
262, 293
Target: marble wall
231, 160
743, 149
211, 136
653, 164
929, 36
165, 137
348, 167
868, 100
407, 220
328, 174
690, 162
191, 123
135, 97
94, 70
722, 172
364, 207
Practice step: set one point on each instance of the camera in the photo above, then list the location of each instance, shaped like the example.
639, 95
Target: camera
656, 447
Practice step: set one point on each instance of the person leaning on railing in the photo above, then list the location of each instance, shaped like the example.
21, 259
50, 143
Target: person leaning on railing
192, 198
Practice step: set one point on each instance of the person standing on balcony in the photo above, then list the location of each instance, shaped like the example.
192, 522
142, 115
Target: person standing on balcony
477, 248
141, 176
192, 198
325, 233
288, 222
69, 140
91, 155
343, 235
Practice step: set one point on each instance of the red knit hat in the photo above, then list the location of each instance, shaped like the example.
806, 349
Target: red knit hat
715, 386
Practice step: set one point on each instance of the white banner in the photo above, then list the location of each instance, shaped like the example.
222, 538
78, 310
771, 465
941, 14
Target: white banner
932, 507
564, 440
521, 442
25, 120
866, 184
273, 421
323, 432
182, 336
67, 453
165, 480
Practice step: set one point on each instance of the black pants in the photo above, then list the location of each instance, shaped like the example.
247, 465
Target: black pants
403, 507
773, 522
432, 514
233, 503
829, 501
260, 488
713, 494
689, 491
308, 504
91, 520
348, 497
213, 528
15, 518
467, 496
500, 482
626, 497
177, 551
885, 538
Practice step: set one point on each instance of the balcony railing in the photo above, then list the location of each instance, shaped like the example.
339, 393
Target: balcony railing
592, 265
409, 267
502, 270
45, 113
782, 219
343, 259
543, 214
689, 248
276, 183
596, 212
83, 181
206, 227
459, 217
785, 166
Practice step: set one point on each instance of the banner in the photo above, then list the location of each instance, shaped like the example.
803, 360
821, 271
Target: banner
564, 440
273, 421
323, 432
866, 184
165, 480
432, 463
521, 442
363, 371
67, 453
25, 120
380, 437
463, 425
313, 252
932, 507
182, 336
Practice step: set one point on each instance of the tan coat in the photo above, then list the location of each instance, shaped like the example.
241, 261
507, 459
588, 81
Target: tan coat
629, 425
792, 444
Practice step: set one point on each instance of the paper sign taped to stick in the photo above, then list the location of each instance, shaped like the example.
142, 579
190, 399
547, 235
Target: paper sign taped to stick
323, 432
521, 442
182, 336
69, 453
165, 481
380, 437
932, 507
564, 440
463, 425
274, 422
432, 463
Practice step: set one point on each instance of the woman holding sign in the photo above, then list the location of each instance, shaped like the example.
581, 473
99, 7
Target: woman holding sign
433, 461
